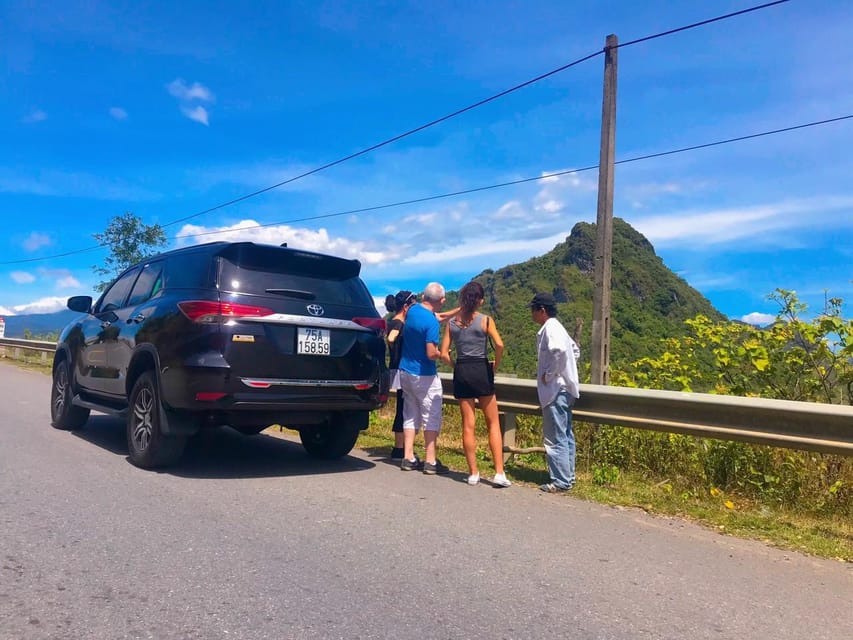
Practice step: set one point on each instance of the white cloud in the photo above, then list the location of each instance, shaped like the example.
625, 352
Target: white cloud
758, 319
189, 93
189, 97
512, 210
420, 219
767, 223
118, 113
22, 277
36, 115
568, 180
43, 305
556, 191
550, 206
296, 238
63, 278
68, 282
6, 311
197, 114
36, 240
475, 247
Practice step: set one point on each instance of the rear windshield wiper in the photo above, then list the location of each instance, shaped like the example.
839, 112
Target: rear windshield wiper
293, 293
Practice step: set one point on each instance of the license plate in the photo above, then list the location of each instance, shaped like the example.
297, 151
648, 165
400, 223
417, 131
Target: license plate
313, 342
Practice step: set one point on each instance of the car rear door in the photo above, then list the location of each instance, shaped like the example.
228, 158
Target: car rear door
316, 323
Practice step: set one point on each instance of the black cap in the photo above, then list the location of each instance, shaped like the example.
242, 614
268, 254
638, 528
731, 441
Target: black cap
542, 300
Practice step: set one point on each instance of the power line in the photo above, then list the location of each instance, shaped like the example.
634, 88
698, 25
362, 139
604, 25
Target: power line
431, 124
453, 114
462, 192
699, 24
345, 158
390, 140
510, 183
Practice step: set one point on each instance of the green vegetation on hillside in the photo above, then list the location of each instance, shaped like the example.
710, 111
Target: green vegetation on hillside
648, 301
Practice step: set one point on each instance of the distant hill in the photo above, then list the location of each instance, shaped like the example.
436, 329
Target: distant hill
648, 300
39, 324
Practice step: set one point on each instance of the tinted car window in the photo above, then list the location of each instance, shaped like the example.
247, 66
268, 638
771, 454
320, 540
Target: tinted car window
261, 271
144, 287
115, 295
189, 271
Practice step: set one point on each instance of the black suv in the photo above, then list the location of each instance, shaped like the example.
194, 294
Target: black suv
226, 333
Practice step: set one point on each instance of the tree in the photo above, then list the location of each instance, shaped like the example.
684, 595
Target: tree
792, 359
129, 241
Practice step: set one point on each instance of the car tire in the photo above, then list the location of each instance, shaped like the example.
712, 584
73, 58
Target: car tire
148, 447
328, 442
63, 414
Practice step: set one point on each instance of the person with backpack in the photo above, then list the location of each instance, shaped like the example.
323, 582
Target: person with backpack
399, 305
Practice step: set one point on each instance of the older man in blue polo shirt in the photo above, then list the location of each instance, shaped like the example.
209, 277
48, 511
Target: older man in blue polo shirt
419, 380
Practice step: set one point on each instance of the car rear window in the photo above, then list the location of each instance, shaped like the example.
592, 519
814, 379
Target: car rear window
254, 270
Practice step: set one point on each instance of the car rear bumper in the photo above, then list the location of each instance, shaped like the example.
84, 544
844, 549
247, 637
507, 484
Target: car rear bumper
216, 389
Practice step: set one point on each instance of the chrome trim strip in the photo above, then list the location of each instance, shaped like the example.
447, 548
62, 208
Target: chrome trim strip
307, 321
304, 383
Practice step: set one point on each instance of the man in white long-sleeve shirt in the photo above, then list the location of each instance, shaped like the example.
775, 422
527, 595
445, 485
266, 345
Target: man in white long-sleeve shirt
558, 387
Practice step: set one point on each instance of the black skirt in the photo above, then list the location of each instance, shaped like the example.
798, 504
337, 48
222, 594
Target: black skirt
473, 378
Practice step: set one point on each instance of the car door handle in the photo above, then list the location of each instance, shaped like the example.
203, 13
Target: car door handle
139, 317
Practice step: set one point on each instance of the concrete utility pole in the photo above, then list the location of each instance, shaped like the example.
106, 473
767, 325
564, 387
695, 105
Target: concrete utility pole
600, 359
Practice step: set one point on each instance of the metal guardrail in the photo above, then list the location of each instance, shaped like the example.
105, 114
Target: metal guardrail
813, 426
15, 348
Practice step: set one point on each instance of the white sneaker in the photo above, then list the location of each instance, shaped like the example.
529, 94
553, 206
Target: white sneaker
500, 480
474, 479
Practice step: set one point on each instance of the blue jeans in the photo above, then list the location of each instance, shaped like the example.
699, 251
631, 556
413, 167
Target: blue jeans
560, 440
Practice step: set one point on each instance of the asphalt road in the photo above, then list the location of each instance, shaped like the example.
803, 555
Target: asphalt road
249, 538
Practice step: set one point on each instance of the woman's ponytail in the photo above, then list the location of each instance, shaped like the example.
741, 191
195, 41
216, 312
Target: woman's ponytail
391, 303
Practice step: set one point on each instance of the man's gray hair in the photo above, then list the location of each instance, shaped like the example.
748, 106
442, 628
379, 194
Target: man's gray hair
433, 292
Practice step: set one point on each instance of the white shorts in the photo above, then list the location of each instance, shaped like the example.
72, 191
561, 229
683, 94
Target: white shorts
422, 408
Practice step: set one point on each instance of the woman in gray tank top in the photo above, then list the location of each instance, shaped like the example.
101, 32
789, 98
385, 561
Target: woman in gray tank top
474, 377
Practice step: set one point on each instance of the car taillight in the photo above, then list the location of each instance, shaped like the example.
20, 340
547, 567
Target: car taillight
212, 311
377, 324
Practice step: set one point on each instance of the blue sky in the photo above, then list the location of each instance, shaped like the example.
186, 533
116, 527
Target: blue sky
167, 109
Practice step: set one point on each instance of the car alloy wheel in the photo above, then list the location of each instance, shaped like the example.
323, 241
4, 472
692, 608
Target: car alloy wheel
60, 391
143, 411
63, 413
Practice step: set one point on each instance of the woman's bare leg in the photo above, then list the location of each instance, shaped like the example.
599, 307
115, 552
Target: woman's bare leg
489, 406
469, 439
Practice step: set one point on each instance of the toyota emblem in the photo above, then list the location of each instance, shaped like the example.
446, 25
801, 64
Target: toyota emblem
315, 309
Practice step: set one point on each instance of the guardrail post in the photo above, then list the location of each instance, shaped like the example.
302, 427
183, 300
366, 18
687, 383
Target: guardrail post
508, 425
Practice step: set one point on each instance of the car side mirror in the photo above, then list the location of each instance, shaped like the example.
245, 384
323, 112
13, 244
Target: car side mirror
81, 304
